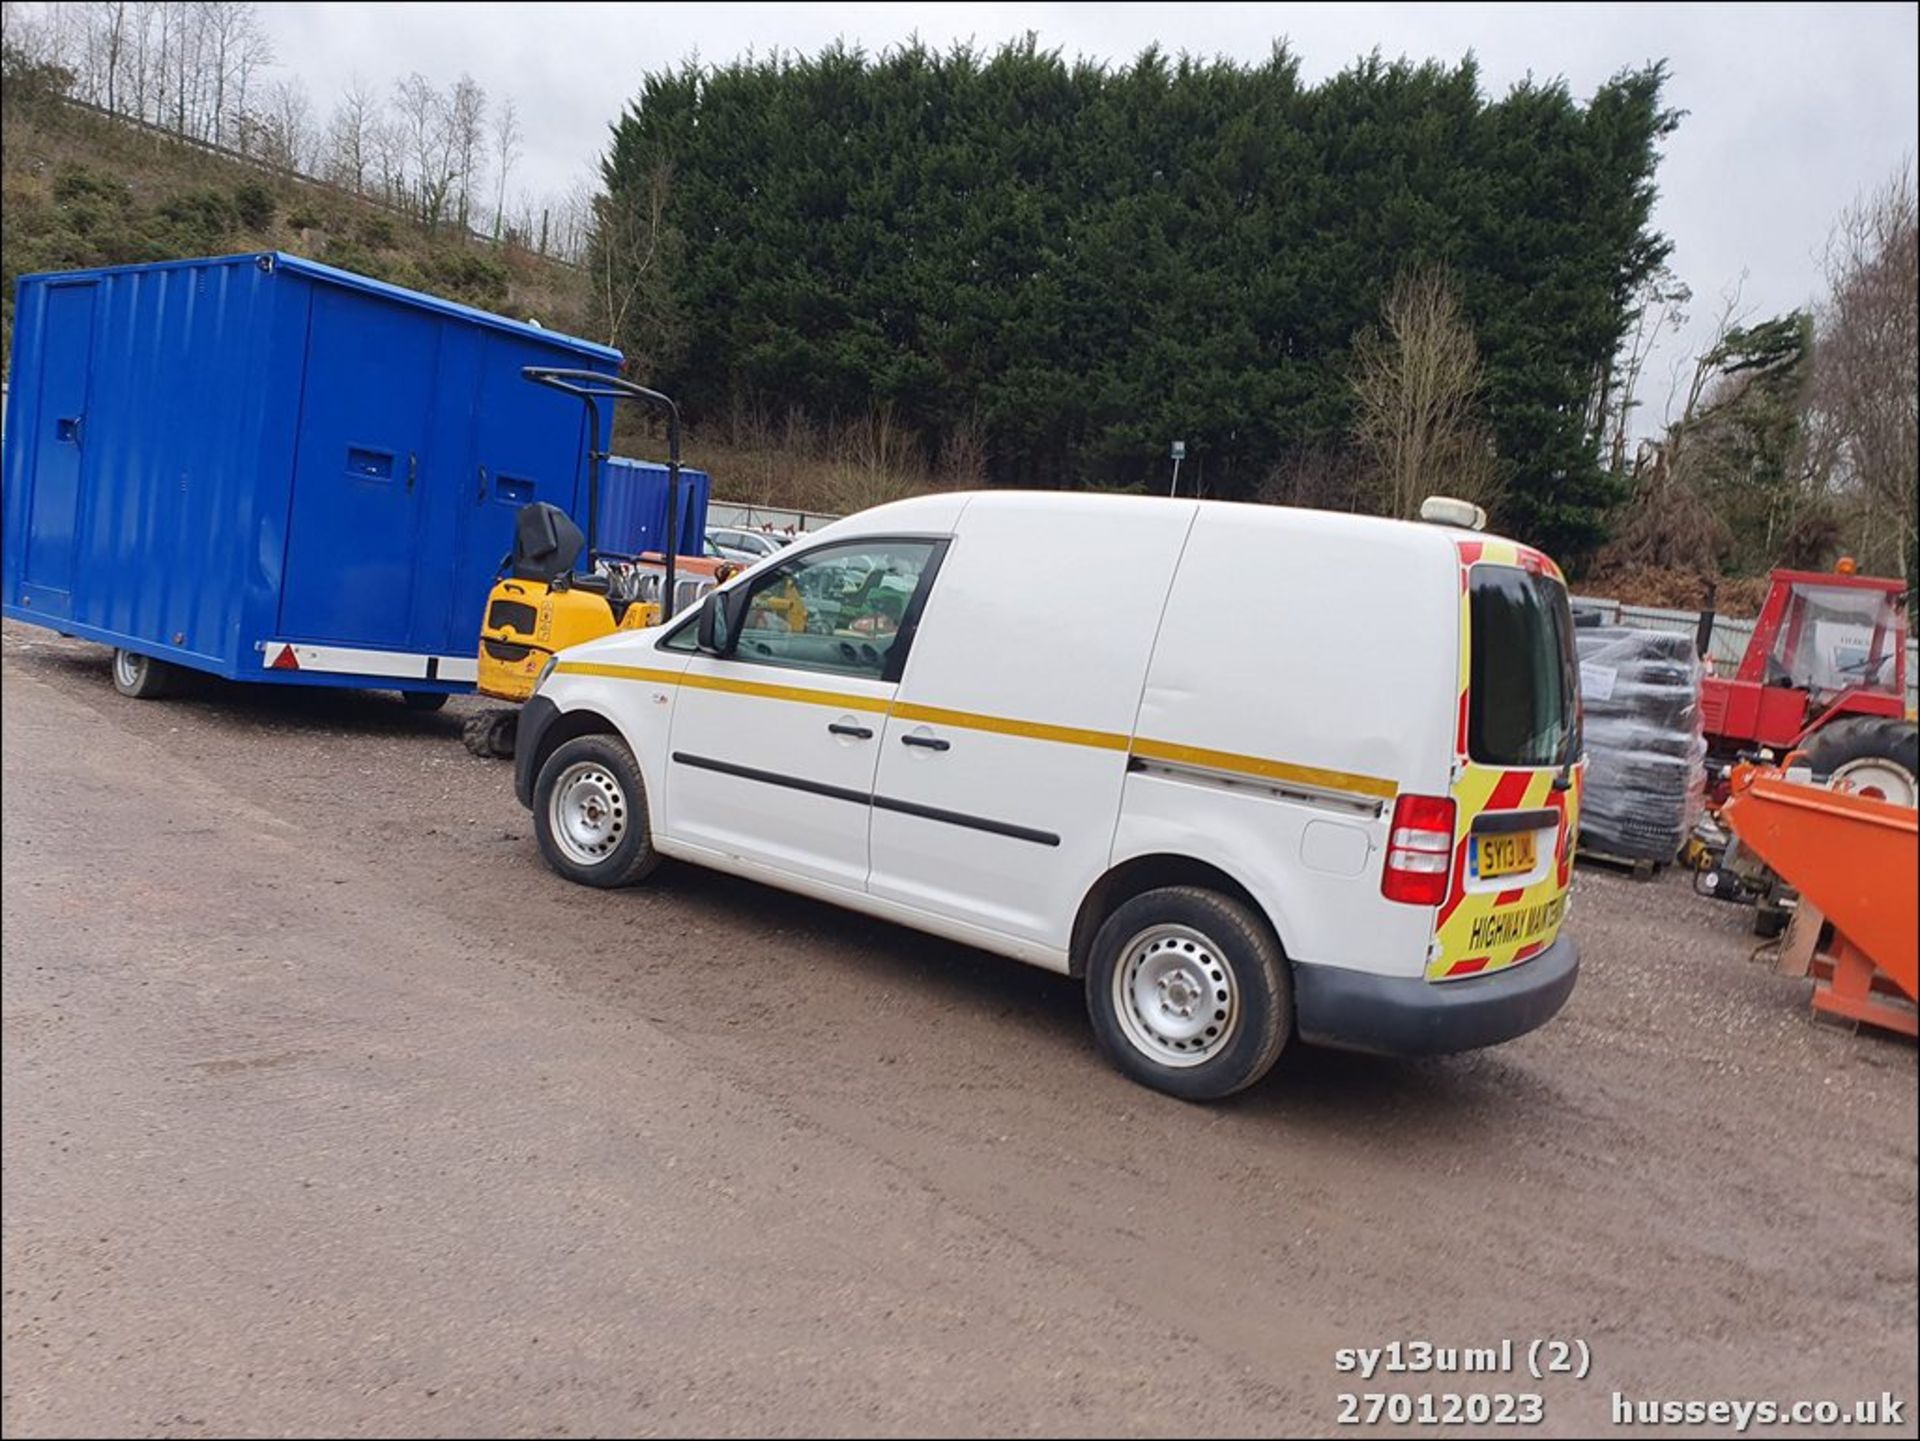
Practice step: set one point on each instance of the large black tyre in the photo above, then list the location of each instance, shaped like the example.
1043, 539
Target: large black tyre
490, 734
425, 701
141, 677
1878, 754
590, 813
1189, 993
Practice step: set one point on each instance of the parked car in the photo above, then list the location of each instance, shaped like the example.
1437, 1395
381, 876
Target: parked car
746, 544
1332, 796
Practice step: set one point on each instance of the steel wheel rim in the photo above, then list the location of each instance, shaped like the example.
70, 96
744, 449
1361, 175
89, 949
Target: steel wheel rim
587, 813
126, 669
1880, 776
1176, 997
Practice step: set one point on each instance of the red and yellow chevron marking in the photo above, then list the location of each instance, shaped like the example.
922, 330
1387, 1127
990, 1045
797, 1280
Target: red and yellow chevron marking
1483, 930
1480, 931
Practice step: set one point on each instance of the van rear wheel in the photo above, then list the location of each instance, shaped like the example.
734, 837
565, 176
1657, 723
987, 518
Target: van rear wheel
590, 814
141, 677
1189, 993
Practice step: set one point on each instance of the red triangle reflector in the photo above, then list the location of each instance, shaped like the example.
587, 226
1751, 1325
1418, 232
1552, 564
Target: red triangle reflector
286, 660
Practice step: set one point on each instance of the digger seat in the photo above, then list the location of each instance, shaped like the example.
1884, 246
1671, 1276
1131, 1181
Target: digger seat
546, 543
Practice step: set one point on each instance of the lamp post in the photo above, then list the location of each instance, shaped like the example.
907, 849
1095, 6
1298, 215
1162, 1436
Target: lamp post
1178, 451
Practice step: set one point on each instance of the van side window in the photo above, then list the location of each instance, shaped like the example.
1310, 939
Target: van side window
837, 609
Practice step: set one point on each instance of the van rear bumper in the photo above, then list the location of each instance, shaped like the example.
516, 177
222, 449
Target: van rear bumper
1398, 1016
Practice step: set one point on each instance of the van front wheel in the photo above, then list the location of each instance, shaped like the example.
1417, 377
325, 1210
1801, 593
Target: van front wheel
1189, 993
590, 814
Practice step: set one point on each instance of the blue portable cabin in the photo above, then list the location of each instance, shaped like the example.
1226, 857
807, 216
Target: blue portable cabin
270, 469
633, 507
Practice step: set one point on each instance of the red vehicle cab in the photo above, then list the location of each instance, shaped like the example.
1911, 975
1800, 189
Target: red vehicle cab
1827, 649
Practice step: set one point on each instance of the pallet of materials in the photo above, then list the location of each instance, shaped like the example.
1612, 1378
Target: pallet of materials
1646, 753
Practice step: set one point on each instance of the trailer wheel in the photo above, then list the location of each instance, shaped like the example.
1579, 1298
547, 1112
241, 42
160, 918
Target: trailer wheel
1189, 993
141, 677
490, 734
590, 813
1877, 755
425, 701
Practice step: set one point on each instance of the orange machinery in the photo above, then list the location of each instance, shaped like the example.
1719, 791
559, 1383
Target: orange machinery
1853, 860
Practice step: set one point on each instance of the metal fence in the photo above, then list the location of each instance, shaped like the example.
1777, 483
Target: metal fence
315, 182
738, 515
1730, 636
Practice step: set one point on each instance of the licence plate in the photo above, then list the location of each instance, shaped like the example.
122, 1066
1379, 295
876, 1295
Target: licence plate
1509, 855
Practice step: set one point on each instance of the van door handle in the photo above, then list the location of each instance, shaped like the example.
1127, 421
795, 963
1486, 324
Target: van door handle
859, 733
932, 743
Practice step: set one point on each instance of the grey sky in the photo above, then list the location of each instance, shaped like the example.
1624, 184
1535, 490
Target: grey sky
1793, 110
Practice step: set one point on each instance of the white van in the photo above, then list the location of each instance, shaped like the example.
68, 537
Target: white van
1254, 773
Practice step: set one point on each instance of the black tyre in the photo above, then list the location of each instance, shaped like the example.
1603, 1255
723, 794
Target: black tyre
424, 700
1189, 993
590, 813
490, 734
1878, 755
141, 677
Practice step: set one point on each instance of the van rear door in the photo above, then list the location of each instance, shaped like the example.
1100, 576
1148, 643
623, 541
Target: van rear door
1517, 764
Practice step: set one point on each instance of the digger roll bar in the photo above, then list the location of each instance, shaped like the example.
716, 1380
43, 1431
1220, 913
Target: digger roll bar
592, 387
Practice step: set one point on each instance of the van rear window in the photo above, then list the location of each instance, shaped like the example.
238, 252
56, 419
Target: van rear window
1524, 709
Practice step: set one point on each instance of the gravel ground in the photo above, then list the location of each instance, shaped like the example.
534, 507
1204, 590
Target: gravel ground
329, 1110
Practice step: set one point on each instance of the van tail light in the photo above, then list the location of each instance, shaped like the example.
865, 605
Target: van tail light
1419, 851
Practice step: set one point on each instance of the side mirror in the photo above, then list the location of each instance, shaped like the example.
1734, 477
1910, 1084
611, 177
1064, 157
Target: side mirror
718, 628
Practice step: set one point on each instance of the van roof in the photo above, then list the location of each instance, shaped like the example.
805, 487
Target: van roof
942, 510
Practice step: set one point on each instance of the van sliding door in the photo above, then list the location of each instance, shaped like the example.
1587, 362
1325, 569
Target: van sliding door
1006, 751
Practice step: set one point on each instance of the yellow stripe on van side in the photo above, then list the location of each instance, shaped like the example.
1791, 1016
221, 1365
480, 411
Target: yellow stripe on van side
804, 695
1146, 749
618, 672
1002, 725
1326, 780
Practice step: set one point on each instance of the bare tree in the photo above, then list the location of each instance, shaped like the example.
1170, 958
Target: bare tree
144, 49
506, 150
288, 135
162, 83
422, 116
1416, 389
569, 222
1867, 371
87, 51
387, 156
1658, 308
220, 24
628, 251
466, 142
114, 27
187, 23
1706, 368
350, 136
37, 32
228, 29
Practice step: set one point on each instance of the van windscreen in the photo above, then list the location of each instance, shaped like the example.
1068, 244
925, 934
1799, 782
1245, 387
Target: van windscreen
1524, 709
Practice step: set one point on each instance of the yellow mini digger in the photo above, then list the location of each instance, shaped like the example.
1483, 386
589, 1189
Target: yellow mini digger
546, 599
